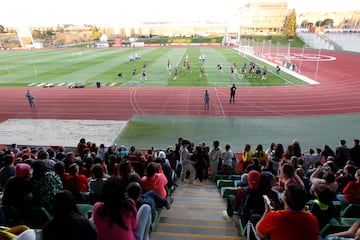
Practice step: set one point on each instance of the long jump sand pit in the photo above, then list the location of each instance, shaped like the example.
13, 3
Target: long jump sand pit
51, 132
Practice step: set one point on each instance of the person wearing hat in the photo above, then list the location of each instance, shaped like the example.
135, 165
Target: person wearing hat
17, 192
235, 201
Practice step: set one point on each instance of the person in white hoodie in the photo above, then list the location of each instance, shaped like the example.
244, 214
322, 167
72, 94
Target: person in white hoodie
214, 158
186, 163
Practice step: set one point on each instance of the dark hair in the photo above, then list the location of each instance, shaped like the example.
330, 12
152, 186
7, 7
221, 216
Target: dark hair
150, 170
115, 202
324, 193
227, 147
39, 169
185, 141
259, 147
288, 170
64, 205
296, 197
97, 170
125, 170
266, 179
59, 168
134, 190
43, 155
279, 151
73, 169
329, 177
351, 169
216, 144
8, 159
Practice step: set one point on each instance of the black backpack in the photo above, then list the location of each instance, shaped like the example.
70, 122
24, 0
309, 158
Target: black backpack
252, 206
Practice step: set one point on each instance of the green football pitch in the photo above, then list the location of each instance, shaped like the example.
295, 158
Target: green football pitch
114, 66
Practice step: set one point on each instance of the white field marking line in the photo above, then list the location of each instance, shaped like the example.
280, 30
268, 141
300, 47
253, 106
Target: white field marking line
178, 62
134, 103
219, 102
285, 80
137, 102
297, 75
131, 100
267, 110
256, 106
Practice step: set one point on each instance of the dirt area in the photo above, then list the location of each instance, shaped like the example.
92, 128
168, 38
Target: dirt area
45, 132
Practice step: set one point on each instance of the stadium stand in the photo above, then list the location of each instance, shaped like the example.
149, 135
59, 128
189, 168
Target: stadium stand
331, 41
193, 203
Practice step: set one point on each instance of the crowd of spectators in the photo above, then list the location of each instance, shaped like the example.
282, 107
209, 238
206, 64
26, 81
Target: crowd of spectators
143, 181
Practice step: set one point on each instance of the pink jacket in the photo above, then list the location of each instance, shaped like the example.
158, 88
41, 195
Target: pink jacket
156, 183
115, 232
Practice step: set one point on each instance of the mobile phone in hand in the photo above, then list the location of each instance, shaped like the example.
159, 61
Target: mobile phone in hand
268, 202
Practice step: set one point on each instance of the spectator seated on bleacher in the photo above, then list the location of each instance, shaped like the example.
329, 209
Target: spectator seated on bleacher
350, 193
167, 170
68, 222
134, 190
292, 222
137, 159
237, 202
8, 169
77, 183
154, 180
96, 183
351, 234
322, 207
17, 192
45, 184
261, 155
344, 176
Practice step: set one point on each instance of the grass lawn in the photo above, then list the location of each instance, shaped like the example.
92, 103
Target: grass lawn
311, 131
88, 66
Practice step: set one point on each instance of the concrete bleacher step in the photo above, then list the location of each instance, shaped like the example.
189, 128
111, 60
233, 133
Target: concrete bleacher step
196, 213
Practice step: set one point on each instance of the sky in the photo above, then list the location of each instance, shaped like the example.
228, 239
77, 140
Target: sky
49, 12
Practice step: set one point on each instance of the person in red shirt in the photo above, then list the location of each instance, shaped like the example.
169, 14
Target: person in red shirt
76, 182
291, 223
154, 181
351, 192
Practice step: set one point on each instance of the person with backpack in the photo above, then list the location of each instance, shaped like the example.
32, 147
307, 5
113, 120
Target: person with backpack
245, 196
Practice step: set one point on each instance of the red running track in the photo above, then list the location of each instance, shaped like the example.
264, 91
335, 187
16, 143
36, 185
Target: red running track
337, 93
